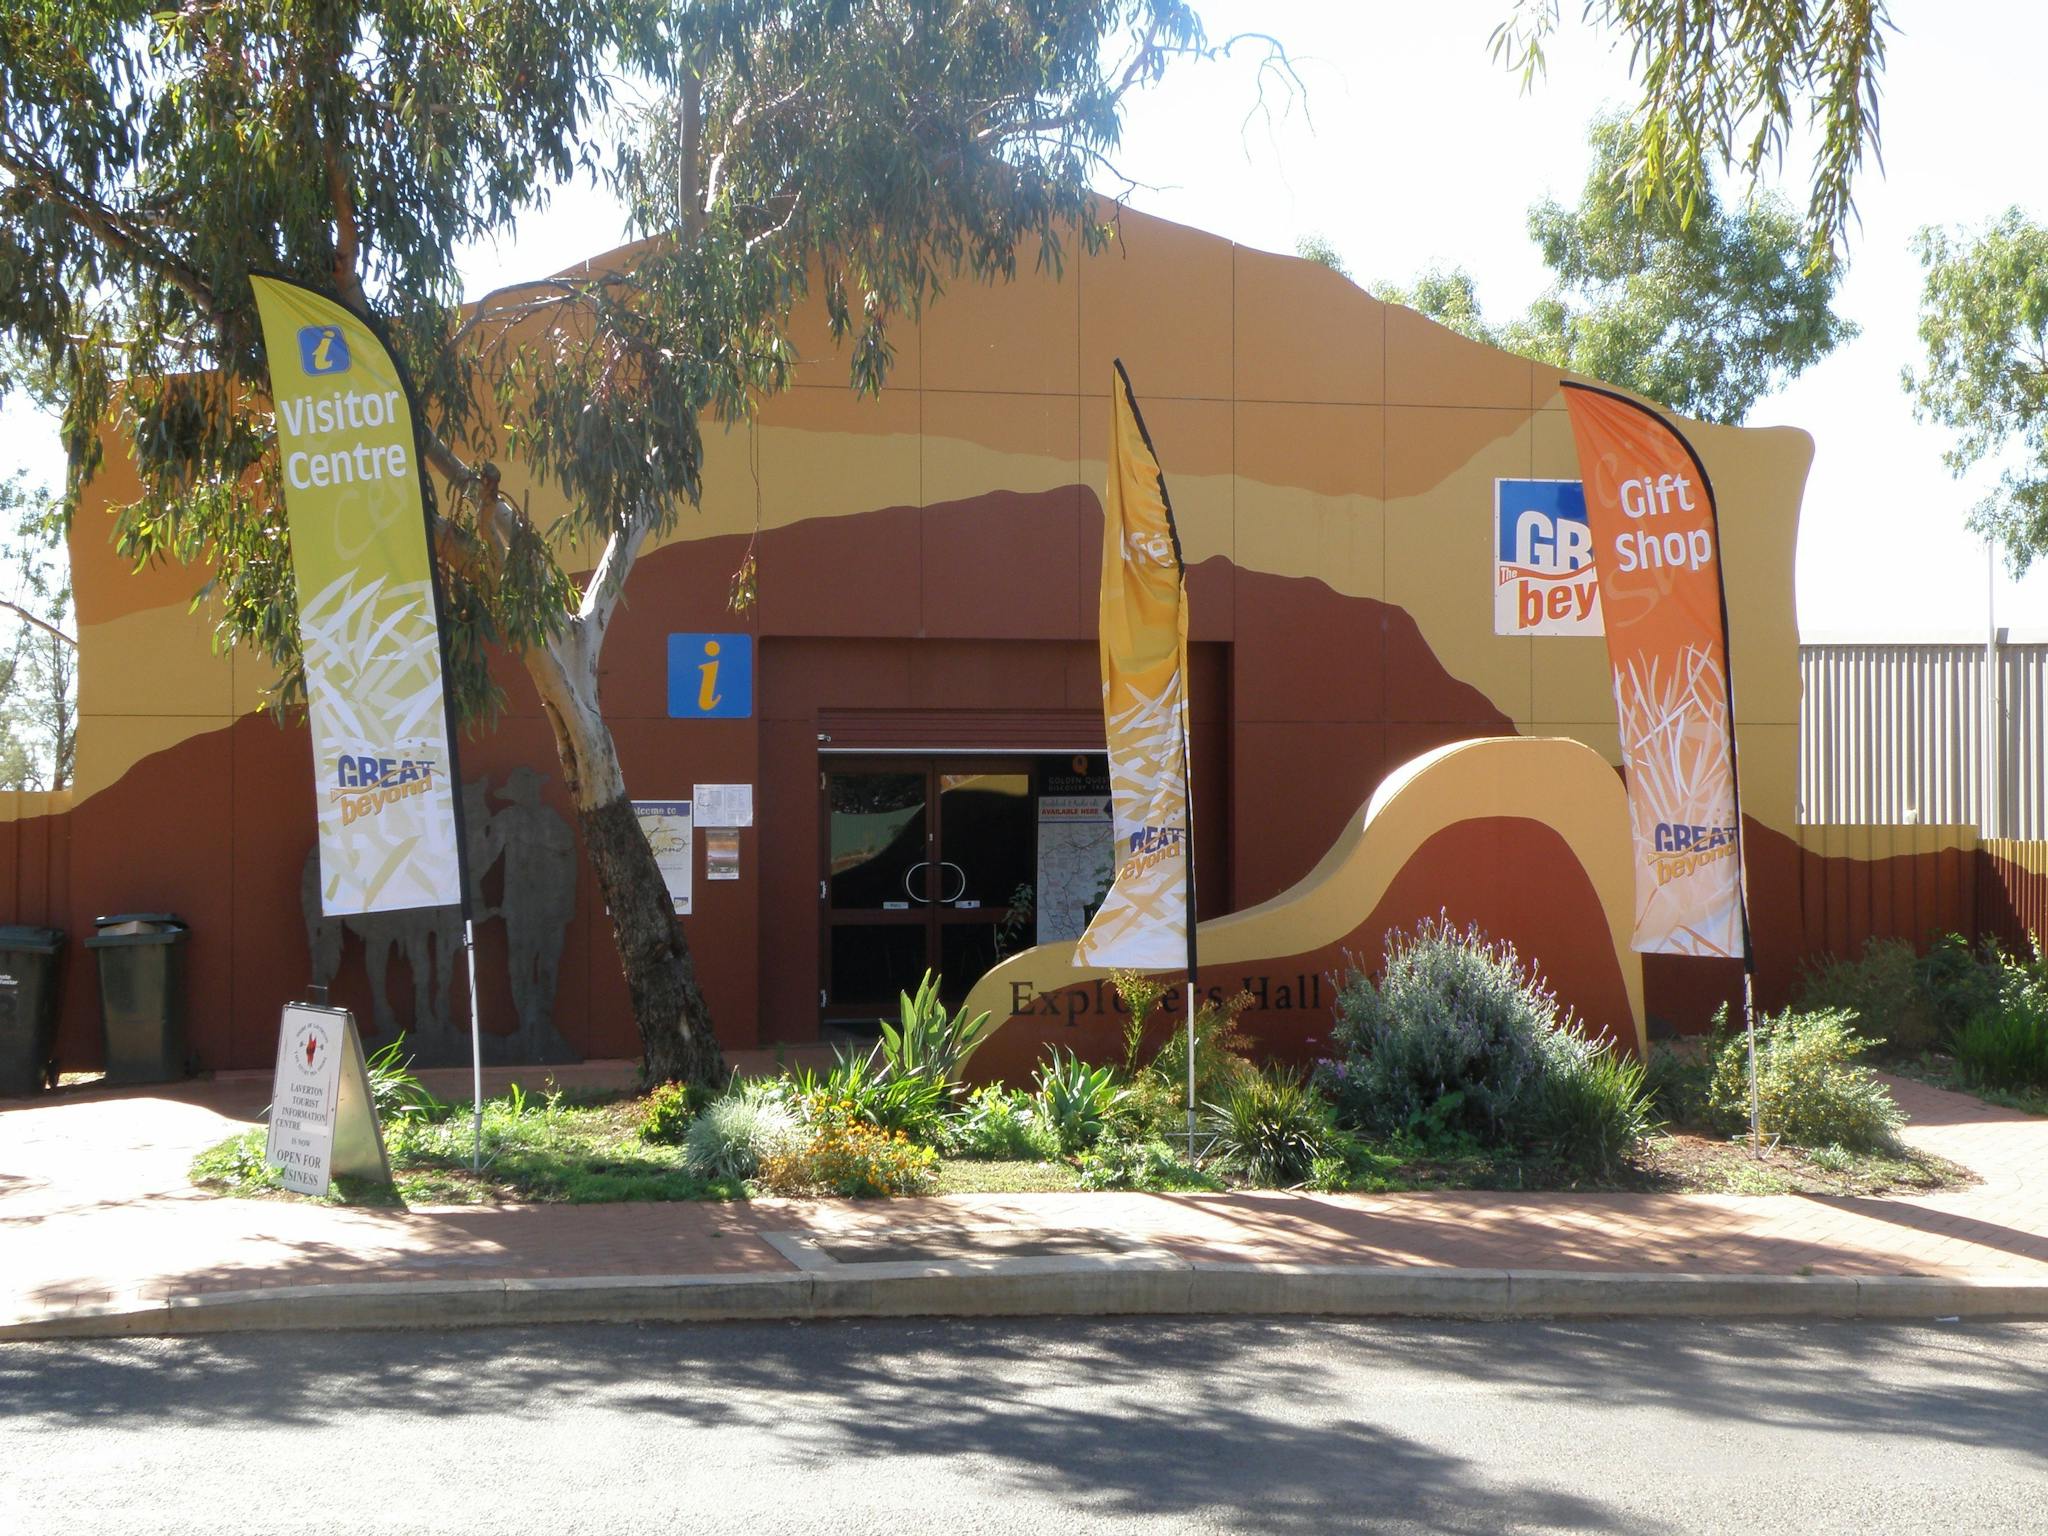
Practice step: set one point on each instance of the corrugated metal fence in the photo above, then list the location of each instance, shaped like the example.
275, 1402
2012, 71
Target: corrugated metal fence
1938, 734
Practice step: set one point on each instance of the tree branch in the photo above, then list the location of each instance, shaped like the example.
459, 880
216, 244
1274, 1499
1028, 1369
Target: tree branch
348, 278
110, 227
20, 612
608, 581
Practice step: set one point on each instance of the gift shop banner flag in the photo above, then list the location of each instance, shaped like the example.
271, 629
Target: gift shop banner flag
368, 618
1657, 550
1145, 921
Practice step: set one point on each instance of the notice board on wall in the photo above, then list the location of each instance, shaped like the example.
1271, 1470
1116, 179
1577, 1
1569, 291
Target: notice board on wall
669, 826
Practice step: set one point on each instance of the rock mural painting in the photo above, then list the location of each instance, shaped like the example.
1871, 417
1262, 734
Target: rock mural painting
531, 852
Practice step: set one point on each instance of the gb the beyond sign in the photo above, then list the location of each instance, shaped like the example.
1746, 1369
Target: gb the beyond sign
1544, 582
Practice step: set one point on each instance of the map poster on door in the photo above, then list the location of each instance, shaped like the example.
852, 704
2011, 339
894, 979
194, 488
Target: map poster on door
1076, 862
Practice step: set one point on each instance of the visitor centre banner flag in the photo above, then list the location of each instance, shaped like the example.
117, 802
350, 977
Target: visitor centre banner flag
1657, 552
368, 626
1145, 921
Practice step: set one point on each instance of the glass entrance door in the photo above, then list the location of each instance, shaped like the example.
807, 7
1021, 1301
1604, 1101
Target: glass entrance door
929, 863
988, 847
878, 884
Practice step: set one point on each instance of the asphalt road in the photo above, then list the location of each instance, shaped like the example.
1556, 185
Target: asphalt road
1130, 1425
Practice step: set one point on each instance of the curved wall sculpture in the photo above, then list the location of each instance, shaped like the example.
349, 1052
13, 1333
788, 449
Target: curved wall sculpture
1527, 837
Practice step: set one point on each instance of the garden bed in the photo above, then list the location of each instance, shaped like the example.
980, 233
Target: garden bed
590, 1152
1454, 1068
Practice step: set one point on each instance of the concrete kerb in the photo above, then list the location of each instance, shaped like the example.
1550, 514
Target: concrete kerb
1124, 1284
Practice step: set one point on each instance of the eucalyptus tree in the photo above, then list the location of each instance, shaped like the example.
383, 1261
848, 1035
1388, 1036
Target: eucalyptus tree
1707, 309
862, 152
1984, 323
38, 661
873, 149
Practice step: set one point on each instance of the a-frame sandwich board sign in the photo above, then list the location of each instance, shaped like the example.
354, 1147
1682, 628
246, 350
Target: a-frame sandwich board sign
323, 1120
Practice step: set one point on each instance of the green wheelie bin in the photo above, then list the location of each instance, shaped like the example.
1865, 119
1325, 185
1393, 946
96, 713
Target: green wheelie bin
28, 1035
142, 995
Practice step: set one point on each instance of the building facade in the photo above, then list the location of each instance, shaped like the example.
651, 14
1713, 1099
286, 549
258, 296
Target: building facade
920, 729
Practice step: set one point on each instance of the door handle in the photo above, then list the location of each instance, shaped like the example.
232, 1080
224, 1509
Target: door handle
923, 901
949, 900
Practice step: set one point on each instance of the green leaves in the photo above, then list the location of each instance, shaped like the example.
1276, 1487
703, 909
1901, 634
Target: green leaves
1984, 322
864, 151
1706, 312
1727, 82
928, 1042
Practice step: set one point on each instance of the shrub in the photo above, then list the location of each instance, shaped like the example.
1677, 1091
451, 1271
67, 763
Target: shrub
1140, 995
396, 1091
1810, 1089
855, 1086
1114, 1163
1448, 1037
1272, 1127
736, 1134
1076, 1100
1676, 1085
849, 1157
926, 1041
1222, 1051
1959, 983
1152, 1105
998, 1124
2006, 1044
670, 1109
1882, 992
1589, 1106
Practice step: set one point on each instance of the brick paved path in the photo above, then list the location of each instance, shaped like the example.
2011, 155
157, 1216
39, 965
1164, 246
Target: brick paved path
94, 1207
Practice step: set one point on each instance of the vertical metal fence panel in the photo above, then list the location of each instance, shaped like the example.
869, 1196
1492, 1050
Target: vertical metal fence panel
1891, 734
2023, 779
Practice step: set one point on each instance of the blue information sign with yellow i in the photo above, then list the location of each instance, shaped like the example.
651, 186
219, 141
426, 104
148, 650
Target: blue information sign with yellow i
710, 677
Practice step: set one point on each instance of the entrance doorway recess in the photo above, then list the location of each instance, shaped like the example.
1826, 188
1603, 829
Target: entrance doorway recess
950, 862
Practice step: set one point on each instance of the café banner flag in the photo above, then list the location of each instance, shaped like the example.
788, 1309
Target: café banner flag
1657, 552
1143, 923
367, 614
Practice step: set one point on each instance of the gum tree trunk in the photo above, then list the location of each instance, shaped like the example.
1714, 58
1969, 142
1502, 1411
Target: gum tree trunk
675, 1027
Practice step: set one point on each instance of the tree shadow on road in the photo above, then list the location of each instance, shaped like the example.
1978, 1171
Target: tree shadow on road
1245, 1424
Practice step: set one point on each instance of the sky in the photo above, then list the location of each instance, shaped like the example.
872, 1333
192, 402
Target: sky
1412, 148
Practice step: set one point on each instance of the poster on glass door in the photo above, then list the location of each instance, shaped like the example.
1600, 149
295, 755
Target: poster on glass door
1076, 862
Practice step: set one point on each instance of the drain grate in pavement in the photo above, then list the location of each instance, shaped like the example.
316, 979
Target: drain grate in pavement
926, 1246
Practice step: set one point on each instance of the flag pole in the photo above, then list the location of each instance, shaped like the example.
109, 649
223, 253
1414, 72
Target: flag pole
1734, 790
476, 1041
1188, 780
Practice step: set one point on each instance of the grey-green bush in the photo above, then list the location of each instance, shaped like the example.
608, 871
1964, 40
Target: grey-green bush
1451, 1014
732, 1135
1811, 1090
1113, 1163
